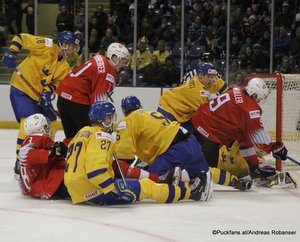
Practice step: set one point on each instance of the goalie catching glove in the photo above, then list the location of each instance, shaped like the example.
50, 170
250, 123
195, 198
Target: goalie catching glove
59, 150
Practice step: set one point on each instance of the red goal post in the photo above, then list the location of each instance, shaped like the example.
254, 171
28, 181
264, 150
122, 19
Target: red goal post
281, 113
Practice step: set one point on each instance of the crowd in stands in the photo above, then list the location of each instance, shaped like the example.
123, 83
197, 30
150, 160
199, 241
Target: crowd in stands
205, 23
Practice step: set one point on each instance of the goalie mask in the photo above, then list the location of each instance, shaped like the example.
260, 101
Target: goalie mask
257, 89
130, 103
37, 124
103, 113
120, 52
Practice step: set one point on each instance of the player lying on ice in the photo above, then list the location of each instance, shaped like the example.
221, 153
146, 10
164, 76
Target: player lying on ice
235, 116
162, 145
42, 162
89, 175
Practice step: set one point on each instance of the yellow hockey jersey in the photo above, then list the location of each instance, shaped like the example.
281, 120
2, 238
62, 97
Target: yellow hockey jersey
42, 67
89, 171
145, 134
184, 100
231, 160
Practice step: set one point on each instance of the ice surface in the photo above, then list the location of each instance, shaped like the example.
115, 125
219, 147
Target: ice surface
26, 219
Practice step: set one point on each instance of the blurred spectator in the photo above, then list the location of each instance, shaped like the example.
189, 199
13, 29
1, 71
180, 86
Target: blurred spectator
246, 59
248, 43
166, 32
2, 29
14, 12
29, 12
108, 39
68, 3
124, 78
216, 31
296, 23
197, 10
197, 32
101, 19
94, 41
281, 44
238, 80
113, 26
153, 73
93, 24
294, 47
143, 56
235, 47
285, 67
148, 31
217, 12
64, 20
161, 53
152, 17
214, 50
260, 59
79, 21
264, 41
170, 73
284, 18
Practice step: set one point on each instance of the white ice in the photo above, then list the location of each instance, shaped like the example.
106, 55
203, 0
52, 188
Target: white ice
261, 209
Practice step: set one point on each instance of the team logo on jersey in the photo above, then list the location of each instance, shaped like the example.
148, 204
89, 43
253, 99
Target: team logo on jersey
92, 194
100, 64
49, 42
110, 78
104, 135
66, 95
121, 125
254, 114
203, 131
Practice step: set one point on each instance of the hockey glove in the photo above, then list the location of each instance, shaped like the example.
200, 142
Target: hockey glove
59, 150
243, 183
125, 192
45, 100
9, 58
279, 151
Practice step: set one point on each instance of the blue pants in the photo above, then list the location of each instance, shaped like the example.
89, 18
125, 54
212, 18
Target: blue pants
24, 106
187, 125
186, 154
113, 199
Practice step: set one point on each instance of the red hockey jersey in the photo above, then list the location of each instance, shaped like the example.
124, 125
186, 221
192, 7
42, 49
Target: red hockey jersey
40, 174
93, 81
233, 116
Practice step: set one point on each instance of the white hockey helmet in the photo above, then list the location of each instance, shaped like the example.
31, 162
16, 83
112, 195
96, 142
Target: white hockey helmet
120, 51
257, 89
37, 123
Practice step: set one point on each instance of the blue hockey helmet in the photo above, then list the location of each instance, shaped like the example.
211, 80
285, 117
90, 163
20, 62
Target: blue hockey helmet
67, 38
130, 103
206, 68
101, 112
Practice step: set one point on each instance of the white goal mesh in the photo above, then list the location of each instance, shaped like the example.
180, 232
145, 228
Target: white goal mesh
285, 99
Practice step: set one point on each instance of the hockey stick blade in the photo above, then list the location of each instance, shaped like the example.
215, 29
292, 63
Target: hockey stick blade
293, 160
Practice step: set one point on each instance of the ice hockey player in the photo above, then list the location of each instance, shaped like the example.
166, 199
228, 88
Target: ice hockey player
235, 115
42, 70
93, 81
89, 175
150, 136
180, 103
42, 161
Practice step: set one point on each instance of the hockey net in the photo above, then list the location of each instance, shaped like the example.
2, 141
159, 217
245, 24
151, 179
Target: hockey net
281, 115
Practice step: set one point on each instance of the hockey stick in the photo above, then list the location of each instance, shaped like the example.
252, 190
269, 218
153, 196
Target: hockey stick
34, 91
293, 160
119, 167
